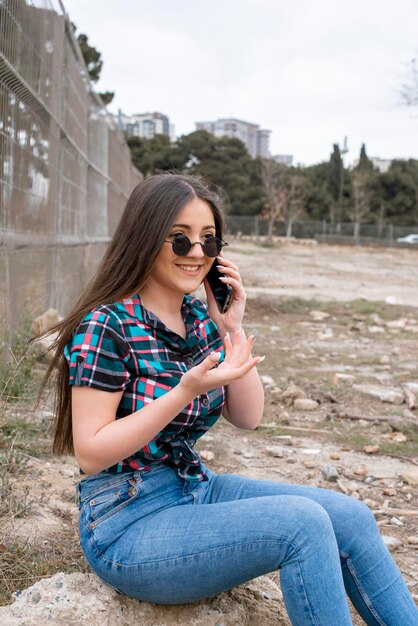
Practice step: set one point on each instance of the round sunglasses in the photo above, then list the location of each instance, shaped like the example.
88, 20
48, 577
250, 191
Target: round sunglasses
182, 245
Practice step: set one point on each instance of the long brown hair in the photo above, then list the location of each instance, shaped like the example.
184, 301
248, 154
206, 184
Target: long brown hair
145, 224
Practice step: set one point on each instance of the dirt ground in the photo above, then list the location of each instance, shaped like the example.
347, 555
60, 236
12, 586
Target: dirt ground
329, 319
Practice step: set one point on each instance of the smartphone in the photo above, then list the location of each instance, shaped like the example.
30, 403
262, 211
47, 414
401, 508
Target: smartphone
221, 291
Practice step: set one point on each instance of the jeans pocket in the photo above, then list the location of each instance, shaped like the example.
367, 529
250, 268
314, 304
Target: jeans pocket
110, 500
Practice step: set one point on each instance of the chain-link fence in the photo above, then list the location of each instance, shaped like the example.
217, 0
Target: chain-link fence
65, 169
255, 227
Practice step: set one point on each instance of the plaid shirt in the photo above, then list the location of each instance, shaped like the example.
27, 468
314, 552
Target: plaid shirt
123, 346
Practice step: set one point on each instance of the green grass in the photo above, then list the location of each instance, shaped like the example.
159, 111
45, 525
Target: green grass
359, 437
299, 306
385, 311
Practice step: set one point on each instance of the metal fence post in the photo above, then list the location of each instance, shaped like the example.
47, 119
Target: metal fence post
391, 235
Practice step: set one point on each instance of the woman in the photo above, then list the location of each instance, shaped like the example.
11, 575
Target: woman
144, 370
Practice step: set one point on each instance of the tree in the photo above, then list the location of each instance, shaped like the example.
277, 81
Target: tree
226, 163
318, 197
296, 201
364, 163
274, 178
398, 189
151, 155
94, 64
409, 88
361, 199
107, 96
91, 57
335, 184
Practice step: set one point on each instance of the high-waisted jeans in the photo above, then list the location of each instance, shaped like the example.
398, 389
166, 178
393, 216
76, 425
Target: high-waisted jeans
159, 538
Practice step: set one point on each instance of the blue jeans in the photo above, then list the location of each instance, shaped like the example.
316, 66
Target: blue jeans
158, 538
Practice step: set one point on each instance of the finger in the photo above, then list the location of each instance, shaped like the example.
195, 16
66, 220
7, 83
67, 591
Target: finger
228, 347
235, 284
242, 349
230, 271
241, 371
210, 362
220, 258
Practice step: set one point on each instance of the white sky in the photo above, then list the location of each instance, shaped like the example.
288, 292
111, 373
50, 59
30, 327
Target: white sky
311, 71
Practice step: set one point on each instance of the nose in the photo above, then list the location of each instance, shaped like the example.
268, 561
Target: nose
196, 251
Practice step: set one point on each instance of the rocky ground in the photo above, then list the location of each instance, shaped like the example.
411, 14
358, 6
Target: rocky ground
341, 385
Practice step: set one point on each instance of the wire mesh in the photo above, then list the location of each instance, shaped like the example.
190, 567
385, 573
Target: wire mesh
65, 168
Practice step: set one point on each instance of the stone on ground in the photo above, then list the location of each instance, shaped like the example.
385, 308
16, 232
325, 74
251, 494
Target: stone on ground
74, 599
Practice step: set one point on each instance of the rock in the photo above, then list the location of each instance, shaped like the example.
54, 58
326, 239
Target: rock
345, 379
370, 503
413, 540
398, 423
284, 416
400, 323
371, 449
268, 381
45, 322
385, 394
410, 398
276, 451
389, 492
375, 329
319, 316
384, 360
309, 464
67, 471
292, 393
68, 598
395, 437
360, 471
248, 454
410, 476
327, 333
395, 521
376, 319
412, 386
207, 455
330, 473
392, 542
42, 347
305, 404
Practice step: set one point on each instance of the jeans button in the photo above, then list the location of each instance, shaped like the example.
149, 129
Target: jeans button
189, 360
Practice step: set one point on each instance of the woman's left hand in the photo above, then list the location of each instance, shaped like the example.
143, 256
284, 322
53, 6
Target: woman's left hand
231, 320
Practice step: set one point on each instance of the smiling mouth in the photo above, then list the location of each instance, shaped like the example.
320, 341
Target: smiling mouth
192, 269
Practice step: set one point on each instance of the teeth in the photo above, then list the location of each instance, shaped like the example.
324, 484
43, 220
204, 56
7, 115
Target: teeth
189, 268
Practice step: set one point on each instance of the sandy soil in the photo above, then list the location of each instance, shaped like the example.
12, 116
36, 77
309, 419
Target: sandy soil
327, 272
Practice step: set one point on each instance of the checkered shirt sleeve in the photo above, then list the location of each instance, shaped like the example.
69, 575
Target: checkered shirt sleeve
98, 353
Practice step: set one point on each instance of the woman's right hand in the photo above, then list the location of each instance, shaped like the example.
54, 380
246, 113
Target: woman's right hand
237, 363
